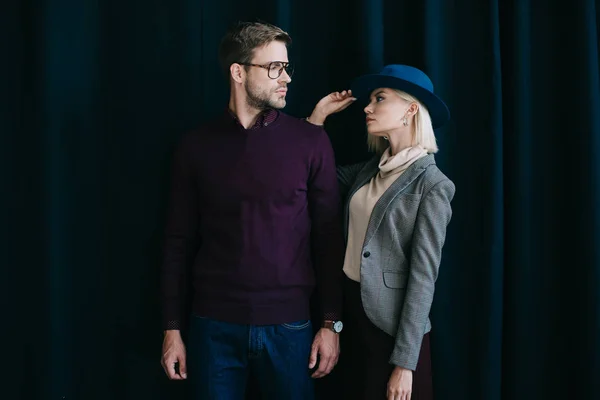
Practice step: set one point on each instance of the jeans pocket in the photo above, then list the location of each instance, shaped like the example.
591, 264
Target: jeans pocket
297, 325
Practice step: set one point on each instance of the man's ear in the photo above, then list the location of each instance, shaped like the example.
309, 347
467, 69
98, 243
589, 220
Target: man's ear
237, 72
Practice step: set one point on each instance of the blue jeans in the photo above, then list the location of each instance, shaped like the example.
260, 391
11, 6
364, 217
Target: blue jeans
222, 356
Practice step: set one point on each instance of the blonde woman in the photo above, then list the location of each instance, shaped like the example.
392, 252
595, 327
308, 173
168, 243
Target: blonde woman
397, 208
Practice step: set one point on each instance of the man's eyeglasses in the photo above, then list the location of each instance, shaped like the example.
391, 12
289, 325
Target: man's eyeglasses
275, 68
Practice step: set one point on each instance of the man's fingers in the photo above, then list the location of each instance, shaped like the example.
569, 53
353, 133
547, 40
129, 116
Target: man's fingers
162, 362
332, 360
313, 357
341, 95
165, 364
182, 367
328, 367
169, 367
335, 361
322, 361
324, 367
319, 373
346, 103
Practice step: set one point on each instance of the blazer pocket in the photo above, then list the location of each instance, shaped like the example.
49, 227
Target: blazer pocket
395, 280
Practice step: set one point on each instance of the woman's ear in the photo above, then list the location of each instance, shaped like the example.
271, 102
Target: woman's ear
412, 109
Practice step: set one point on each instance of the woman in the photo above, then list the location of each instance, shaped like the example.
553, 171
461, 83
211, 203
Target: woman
397, 208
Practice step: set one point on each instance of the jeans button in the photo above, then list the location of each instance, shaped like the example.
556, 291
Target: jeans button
367, 254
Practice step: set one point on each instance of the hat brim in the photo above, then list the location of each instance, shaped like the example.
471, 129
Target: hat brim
438, 111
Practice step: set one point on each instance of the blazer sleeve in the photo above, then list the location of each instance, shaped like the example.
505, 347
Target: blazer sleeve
429, 235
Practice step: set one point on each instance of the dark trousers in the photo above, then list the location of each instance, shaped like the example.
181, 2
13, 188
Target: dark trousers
223, 357
363, 370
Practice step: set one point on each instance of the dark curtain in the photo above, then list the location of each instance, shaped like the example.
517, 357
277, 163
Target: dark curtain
97, 92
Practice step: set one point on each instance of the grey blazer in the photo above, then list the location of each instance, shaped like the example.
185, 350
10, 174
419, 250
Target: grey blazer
402, 250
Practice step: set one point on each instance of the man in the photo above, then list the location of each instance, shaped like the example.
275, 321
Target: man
257, 190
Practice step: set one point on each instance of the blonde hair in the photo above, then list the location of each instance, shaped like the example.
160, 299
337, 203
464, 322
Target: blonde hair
421, 129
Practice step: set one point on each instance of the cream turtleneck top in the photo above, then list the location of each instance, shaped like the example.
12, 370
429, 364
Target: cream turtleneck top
364, 200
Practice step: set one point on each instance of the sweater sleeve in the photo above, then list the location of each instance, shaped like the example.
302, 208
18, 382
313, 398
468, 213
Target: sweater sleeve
326, 233
181, 241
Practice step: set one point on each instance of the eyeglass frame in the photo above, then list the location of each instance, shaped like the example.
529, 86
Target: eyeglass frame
285, 66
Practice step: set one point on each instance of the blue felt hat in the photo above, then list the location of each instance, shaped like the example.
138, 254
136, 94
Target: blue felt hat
407, 79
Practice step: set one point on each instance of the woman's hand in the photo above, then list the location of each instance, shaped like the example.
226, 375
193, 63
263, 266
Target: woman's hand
330, 104
400, 384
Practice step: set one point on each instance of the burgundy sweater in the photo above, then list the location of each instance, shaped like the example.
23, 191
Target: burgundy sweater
253, 223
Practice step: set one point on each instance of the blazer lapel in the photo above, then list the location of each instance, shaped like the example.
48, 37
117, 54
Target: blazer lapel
363, 177
399, 185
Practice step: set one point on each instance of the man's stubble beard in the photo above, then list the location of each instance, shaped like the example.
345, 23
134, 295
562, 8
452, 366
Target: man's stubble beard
260, 99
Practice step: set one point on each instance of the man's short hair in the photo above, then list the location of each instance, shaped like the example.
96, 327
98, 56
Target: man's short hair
240, 41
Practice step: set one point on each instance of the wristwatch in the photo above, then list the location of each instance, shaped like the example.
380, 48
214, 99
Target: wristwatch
335, 326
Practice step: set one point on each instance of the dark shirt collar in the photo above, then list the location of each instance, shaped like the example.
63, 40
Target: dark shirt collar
264, 119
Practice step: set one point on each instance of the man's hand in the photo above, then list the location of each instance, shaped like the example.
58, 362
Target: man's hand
400, 384
330, 104
327, 346
173, 351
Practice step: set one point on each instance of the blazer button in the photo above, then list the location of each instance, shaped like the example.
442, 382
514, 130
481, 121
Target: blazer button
367, 254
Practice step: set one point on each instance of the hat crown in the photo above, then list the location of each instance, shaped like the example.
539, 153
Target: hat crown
410, 74
407, 79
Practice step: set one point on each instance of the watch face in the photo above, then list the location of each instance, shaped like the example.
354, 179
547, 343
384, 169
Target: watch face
338, 326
